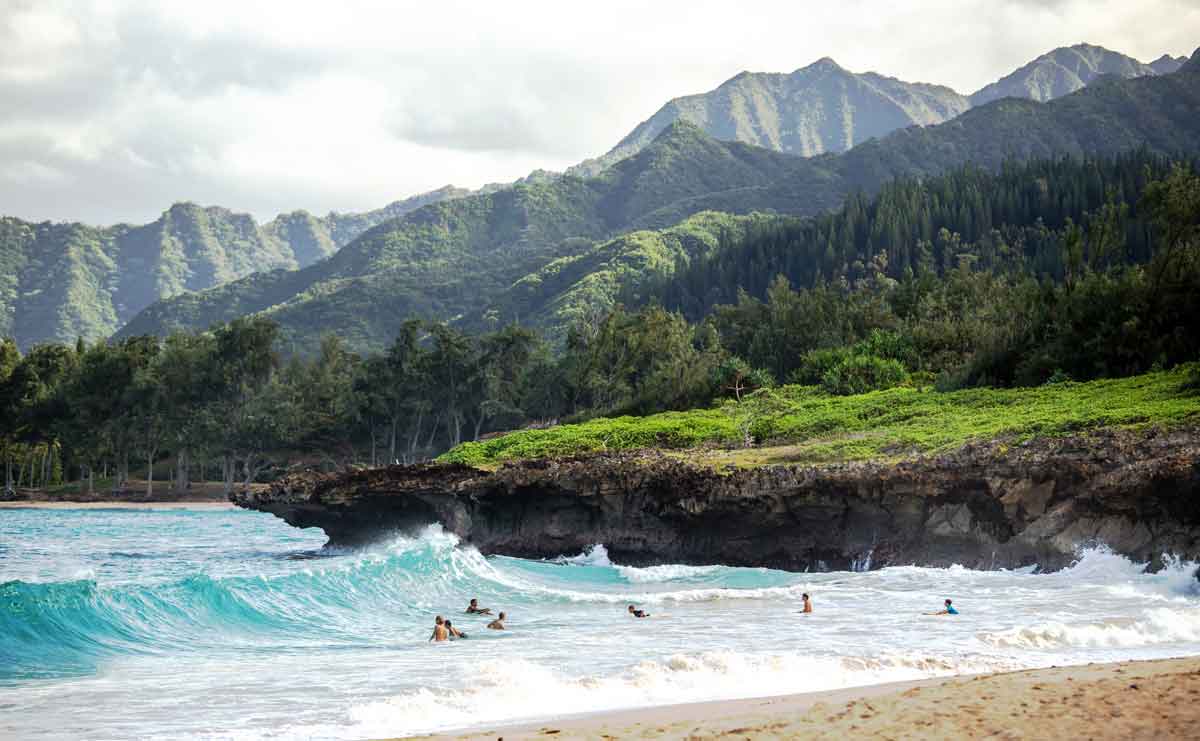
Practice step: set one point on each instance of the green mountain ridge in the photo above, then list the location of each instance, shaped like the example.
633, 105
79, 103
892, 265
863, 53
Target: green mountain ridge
1107, 118
449, 259
64, 281
508, 255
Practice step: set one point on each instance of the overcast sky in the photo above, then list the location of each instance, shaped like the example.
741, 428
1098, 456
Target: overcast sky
111, 111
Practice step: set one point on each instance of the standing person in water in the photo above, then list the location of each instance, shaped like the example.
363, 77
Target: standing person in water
807, 603
498, 623
454, 632
439, 630
638, 613
947, 610
475, 609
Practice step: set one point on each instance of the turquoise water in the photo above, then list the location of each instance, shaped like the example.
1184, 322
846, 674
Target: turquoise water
220, 624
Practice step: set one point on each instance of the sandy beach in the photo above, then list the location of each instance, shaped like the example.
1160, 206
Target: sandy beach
1131, 700
116, 505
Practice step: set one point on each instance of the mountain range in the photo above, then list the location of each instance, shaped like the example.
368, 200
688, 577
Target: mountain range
548, 248
59, 282
824, 108
548, 252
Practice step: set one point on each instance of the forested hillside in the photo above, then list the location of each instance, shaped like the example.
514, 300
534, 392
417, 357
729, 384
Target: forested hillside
449, 259
472, 257
1045, 273
1108, 118
64, 281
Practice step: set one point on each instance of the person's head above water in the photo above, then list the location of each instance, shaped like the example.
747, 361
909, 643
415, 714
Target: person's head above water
474, 602
438, 620
502, 616
804, 596
948, 602
632, 608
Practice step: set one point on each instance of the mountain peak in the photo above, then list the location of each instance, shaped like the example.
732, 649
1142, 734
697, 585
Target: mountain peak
1166, 64
679, 134
824, 64
1060, 72
1192, 64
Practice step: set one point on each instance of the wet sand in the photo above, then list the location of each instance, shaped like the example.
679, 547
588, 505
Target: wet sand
1131, 700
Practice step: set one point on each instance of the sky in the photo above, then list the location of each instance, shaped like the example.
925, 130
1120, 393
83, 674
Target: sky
112, 110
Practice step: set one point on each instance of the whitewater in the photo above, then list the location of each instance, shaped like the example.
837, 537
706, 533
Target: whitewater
222, 624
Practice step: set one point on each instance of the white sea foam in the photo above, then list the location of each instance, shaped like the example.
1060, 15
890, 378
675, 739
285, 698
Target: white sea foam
664, 573
593, 555
1159, 626
517, 689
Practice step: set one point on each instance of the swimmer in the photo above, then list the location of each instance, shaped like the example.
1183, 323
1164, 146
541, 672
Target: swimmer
947, 610
475, 609
439, 630
807, 603
498, 623
454, 632
638, 613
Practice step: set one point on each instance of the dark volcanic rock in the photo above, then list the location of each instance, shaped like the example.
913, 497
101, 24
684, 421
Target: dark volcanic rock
987, 505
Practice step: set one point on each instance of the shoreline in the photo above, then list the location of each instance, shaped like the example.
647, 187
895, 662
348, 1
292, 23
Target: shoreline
117, 504
1157, 698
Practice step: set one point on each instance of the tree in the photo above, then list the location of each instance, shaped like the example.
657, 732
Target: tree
1173, 204
452, 366
503, 361
737, 377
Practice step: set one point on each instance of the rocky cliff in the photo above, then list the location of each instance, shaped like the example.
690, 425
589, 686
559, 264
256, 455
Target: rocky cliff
987, 505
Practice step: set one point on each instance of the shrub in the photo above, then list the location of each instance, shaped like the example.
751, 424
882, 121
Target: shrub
890, 346
862, 373
816, 363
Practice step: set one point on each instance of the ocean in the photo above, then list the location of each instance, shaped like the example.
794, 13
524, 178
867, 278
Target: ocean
225, 624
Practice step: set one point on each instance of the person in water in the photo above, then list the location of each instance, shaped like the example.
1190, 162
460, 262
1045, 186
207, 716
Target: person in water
475, 609
454, 632
947, 610
807, 603
440, 632
638, 613
498, 623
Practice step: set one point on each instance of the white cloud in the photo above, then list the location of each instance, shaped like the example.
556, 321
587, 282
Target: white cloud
112, 110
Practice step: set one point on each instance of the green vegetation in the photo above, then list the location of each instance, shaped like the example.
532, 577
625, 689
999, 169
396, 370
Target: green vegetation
1106, 286
583, 287
802, 423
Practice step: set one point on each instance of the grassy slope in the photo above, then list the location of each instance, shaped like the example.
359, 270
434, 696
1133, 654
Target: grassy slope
802, 424
569, 289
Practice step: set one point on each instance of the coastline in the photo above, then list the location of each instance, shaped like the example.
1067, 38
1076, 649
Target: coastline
116, 504
1124, 700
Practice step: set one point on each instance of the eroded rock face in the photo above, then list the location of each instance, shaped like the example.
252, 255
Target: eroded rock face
987, 505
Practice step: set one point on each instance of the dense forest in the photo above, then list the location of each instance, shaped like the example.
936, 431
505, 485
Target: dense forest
1049, 271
